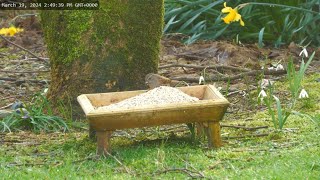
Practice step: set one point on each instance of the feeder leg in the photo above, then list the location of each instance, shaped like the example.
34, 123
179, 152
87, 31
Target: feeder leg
103, 142
92, 133
200, 129
214, 135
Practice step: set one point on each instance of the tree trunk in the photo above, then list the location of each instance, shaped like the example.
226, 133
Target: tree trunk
110, 49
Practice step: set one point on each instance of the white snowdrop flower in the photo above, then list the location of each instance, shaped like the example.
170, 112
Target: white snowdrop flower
265, 83
262, 94
201, 79
244, 94
271, 68
275, 97
304, 52
303, 94
44, 92
279, 67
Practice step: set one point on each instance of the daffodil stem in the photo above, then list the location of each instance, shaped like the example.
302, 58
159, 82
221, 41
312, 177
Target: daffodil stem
277, 5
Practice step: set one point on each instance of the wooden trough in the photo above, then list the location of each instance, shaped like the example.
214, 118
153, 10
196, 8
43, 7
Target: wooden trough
208, 112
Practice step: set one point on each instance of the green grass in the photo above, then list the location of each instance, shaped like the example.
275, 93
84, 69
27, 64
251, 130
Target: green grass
290, 154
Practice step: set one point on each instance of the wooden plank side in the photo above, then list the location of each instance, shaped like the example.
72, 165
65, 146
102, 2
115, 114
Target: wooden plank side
85, 104
156, 117
104, 99
161, 107
213, 93
195, 91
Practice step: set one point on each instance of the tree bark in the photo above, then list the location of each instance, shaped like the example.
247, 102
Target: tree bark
110, 49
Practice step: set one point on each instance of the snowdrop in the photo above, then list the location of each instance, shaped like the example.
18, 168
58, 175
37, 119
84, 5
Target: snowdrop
201, 79
304, 52
262, 94
271, 68
303, 94
265, 83
44, 92
279, 67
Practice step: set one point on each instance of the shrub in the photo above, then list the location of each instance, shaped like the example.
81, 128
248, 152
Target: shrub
274, 21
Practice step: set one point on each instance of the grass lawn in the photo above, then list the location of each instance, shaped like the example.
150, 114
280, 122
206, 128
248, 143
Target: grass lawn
293, 153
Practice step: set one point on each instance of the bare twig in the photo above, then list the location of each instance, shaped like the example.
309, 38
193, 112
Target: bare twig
26, 164
32, 164
28, 143
189, 164
25, 72
118, 161
95, 157
248, 136
12, 141
22, 15
6, 106
215, 164
245, 128
26, 60
186, 171
230, 78
218, 67
26, 80
24, 49
8, 97
199, 54
234, 92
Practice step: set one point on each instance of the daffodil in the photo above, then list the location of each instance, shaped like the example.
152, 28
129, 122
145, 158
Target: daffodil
11, 31
3, 31
232, 16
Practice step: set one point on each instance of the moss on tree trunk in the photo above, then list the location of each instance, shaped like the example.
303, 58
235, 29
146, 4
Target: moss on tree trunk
110, 49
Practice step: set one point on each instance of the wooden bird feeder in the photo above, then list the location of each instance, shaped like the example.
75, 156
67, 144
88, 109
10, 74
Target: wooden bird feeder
208, 111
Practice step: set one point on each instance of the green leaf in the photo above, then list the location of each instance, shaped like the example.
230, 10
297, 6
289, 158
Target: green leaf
169, 23
279, 111
260, 41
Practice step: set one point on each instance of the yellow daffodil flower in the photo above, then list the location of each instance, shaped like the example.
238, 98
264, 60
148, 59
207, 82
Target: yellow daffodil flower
3, 31
232, 16
11, 31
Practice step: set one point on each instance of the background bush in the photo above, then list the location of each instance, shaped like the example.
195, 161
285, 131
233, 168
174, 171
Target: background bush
201, 19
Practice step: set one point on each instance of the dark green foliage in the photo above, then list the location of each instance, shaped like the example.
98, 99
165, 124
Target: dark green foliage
292, 20
199, 19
